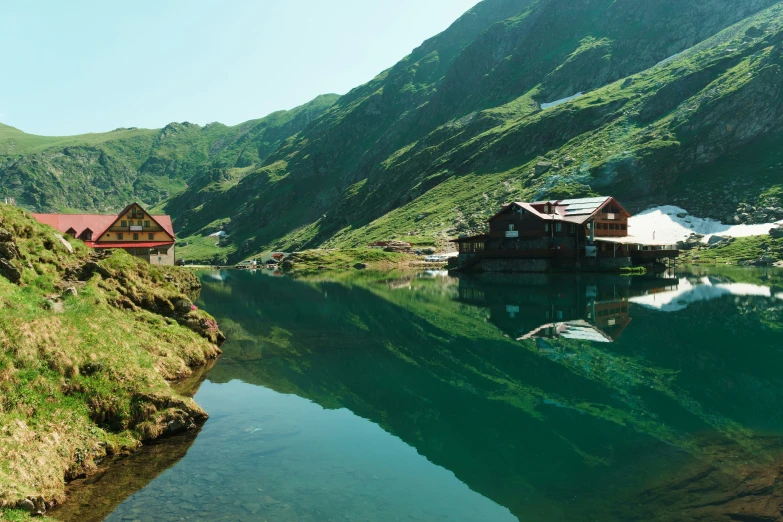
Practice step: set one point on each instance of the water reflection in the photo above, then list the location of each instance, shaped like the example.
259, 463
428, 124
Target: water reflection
507, 388
591, 308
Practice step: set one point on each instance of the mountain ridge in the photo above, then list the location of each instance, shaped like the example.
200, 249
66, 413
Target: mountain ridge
675, 98
47, 173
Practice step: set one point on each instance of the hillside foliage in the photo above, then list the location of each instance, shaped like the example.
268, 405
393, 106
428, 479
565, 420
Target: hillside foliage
653, 102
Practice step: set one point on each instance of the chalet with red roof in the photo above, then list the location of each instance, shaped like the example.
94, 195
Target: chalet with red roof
591, 233
134, 230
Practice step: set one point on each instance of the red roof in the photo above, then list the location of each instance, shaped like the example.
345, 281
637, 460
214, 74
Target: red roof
79, 222
129, 244
97, 223
577, 211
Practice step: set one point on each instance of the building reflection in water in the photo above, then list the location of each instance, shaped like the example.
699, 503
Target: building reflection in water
586, 307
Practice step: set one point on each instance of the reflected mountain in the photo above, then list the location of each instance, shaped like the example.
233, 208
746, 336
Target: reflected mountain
511, 383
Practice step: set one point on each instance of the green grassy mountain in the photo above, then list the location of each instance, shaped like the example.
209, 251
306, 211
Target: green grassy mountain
102, 172
675, 102
681, 105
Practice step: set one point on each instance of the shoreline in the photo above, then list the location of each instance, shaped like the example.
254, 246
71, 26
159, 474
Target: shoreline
102, 352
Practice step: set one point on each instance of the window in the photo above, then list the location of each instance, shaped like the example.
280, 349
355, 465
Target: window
546, 227
150, 236
572, 228
139, 222
135, 236
123, 223
558, 227
147, 224
511, 227
623, 227
119, 237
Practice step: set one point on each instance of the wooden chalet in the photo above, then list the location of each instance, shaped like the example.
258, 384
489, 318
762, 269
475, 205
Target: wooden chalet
586, 232
134, 230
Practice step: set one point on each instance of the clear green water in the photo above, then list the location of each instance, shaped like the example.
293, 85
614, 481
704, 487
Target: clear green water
399, 397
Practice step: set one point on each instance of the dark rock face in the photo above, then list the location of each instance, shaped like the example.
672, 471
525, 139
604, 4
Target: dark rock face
10, 268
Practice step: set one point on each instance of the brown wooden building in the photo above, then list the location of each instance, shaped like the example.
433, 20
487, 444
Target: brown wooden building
572, 232
134, 230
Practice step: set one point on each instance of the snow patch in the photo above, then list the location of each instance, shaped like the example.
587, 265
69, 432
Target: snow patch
561, 101
222, 233
688, 293
664, 224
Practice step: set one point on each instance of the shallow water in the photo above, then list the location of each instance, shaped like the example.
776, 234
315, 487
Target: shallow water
398, 397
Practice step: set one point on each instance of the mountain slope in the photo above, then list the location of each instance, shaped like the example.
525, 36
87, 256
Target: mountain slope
104, 171
670, 101
438, 141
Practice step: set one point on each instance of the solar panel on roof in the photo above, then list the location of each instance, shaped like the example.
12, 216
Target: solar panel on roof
585, 212
584, 205
583, 200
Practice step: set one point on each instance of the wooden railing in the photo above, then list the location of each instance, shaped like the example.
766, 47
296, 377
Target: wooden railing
653, 254
610, 233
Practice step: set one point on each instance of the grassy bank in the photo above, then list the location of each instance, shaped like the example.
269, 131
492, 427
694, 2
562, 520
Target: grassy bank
742, 250
343, 259
88, 345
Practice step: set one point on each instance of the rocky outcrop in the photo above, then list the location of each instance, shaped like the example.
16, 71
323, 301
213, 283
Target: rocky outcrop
693, 241
10, 267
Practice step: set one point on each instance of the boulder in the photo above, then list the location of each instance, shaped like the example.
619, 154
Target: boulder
9, 271
693, 241
5, 235
26, 505
9, 250
542, 167
183, 306
64, 243
777, 232
714, 240
70, 291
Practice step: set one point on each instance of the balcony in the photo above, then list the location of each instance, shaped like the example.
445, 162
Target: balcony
653, 254
610, 233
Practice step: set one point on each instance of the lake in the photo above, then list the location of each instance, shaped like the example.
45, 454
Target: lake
419, 396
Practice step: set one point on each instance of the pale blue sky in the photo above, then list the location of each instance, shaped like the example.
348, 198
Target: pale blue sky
77, 66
